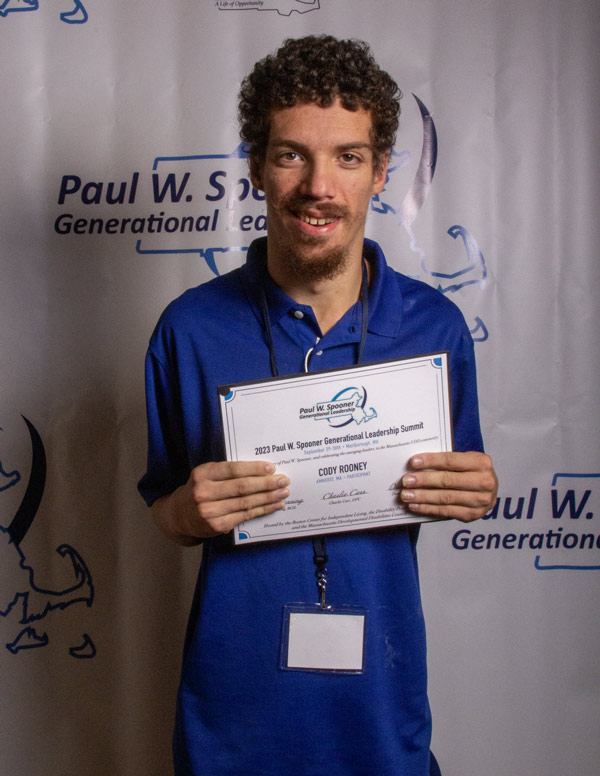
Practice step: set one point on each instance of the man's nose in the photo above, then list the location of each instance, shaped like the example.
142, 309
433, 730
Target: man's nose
319, 180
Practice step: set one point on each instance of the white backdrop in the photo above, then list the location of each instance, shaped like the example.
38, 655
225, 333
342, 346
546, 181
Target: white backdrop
141, 95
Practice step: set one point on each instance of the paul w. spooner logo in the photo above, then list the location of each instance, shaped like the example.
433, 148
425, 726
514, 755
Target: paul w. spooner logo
556, 530
347, 406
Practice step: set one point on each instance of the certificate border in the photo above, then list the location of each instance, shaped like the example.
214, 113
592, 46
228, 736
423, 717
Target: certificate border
229, 441
225, 389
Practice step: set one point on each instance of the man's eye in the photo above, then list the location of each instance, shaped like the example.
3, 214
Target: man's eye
349, 158
289, 156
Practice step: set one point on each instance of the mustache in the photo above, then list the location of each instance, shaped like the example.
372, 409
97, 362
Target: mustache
298, 203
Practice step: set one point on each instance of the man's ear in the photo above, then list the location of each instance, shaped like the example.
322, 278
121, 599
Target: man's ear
256, 173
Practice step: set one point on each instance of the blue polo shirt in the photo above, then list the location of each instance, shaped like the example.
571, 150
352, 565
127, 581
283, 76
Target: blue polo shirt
238, 713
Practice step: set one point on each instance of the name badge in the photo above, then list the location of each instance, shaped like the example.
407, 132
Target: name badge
329, 639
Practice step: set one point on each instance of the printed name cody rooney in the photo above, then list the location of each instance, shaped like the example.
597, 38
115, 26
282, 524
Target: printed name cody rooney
343, 468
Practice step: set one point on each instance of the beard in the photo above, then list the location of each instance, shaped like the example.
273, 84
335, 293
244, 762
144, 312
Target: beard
325, 266
302, 257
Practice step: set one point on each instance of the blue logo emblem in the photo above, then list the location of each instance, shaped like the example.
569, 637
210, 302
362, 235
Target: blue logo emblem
347, 406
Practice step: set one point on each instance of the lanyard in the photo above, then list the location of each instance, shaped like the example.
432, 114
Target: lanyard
320, 556
266, 321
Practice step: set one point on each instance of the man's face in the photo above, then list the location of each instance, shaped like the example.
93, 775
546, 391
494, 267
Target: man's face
318, 178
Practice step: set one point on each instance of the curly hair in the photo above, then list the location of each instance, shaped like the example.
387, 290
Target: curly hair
319, 69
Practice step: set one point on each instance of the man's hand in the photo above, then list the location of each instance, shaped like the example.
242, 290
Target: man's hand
459, 485
218, 496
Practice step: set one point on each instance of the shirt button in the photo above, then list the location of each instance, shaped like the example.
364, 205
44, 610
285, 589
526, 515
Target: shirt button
319, 353
298, 314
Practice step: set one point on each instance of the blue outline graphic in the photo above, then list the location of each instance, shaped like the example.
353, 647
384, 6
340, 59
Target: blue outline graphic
573, 476
474, 256
208, 254
85, 650
77, 15
479, 332
27, 639
239, 153
539, 566
18, 6
571, 567
10, 478
36, 602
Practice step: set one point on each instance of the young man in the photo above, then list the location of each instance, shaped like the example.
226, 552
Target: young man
318, 119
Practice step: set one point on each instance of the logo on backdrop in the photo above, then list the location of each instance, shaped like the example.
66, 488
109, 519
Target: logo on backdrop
205, 205
283, 7
75, 12
555, 529
24, 602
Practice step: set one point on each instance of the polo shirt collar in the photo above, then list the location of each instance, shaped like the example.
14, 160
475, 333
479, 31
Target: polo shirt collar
385, 296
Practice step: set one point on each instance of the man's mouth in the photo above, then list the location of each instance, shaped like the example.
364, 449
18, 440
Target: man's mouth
317, 215
315, 221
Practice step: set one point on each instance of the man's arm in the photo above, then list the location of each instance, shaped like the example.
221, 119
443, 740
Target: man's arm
218, 496
459, 485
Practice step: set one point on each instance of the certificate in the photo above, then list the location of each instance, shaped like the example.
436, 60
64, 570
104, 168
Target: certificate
343, 437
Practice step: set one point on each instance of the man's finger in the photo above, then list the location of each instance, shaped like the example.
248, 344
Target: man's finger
231, 470
451, 480
457, 462
249, 506
209, 490
446, 498
228, 479
462, 513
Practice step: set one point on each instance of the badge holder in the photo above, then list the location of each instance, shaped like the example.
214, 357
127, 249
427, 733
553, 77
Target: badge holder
321, 638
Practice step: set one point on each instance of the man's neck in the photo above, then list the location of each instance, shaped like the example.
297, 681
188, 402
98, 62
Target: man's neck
329, 298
